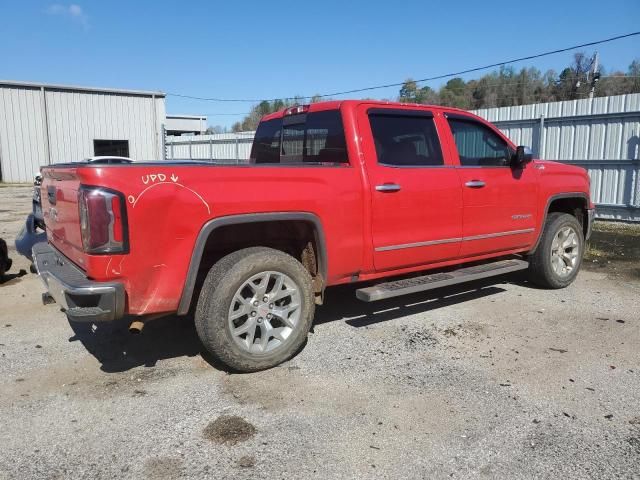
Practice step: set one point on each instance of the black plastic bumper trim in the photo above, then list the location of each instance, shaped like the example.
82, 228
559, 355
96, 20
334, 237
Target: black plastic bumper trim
83, 300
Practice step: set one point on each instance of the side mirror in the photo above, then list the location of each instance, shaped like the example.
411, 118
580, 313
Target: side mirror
522, 156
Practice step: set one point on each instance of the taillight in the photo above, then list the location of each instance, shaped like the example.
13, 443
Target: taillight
102, 220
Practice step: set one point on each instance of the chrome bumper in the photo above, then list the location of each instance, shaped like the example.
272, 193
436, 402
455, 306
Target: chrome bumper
81, 299
590, 214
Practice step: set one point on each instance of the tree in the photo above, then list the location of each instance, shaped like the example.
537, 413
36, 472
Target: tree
506, 86
454, 94
216, 129
410, 93
265, 107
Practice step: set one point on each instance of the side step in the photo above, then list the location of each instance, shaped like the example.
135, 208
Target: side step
437, 280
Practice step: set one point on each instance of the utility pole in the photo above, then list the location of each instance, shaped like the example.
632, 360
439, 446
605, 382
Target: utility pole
595, 74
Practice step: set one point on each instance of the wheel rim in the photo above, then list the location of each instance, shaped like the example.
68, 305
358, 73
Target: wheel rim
264, 312
565, 251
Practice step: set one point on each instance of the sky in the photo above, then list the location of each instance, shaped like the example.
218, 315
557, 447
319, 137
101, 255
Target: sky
255, 49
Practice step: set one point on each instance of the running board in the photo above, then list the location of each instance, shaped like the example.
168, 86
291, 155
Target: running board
437, 280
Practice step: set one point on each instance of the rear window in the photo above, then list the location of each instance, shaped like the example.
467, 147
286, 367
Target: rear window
312, 138
266, 143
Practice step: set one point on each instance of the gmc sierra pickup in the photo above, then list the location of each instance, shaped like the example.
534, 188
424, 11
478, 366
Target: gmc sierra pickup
335, 192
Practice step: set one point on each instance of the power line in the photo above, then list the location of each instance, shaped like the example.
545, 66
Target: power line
224, 114
437, 77
462, 89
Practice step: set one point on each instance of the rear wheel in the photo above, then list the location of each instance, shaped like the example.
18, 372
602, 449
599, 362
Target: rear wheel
557, 260
255, 308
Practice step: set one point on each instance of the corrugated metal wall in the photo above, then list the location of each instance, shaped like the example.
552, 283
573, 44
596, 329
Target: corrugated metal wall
42, 125
599, 134
223, 147
23, 139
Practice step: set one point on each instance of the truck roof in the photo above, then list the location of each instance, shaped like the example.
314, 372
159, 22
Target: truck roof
337, 104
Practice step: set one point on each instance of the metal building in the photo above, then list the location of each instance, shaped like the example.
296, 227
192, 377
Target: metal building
41, 124
185, 124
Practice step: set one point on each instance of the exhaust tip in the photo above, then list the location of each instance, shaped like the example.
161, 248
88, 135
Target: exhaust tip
136, 327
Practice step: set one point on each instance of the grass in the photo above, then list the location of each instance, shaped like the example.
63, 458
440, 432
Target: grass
615, 247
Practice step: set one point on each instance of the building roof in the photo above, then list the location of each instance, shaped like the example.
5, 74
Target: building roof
76, 88
187, 117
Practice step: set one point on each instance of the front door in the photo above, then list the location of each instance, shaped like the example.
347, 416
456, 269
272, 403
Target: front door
499, 201
416, 206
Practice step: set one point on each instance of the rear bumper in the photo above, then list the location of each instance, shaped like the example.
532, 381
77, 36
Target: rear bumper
590, 216
81, 299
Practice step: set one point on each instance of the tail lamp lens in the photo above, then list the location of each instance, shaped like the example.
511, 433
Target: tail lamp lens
102, 221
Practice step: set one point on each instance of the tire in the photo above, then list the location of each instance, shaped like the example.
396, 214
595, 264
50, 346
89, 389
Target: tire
230, 290
552, 265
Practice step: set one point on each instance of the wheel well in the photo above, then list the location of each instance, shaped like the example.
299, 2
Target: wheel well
576, 206
297, 238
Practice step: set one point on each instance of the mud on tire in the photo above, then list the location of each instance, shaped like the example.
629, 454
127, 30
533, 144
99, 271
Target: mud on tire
255, 309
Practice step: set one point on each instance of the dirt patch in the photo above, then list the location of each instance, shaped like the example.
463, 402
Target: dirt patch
163, 467
248, 461
614, 249
416, 339
229, 430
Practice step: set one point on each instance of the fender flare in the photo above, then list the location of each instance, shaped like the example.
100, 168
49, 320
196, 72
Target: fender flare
212, 225
550, 200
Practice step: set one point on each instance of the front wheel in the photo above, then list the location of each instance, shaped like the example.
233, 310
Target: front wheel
557, 260
255, 308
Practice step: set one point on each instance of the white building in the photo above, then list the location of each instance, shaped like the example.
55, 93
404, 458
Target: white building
185, 125
41, 124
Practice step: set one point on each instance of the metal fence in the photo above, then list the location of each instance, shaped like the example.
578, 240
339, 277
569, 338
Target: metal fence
600, 134
233, 148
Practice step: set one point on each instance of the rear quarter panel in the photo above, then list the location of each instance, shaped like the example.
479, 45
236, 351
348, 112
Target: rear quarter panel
167, 206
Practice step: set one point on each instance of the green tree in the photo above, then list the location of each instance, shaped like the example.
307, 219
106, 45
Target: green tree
454, 94
410, 93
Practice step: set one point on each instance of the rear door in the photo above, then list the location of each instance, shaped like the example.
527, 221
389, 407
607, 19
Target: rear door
416, 214
499, 201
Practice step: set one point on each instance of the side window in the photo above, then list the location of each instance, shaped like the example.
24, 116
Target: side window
410, 141
266, 143
478, 145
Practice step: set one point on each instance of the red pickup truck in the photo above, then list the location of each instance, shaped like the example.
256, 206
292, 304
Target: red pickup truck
334, 193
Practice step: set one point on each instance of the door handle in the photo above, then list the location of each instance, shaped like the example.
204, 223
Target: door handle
388, 187
474, 184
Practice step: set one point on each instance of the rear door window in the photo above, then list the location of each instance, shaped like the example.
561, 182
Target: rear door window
405, 140
311, 138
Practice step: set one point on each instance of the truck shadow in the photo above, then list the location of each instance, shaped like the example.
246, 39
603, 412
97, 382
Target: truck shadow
117, 350
342, 305
170, 337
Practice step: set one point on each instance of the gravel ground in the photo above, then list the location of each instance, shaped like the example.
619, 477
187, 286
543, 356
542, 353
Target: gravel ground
492, 380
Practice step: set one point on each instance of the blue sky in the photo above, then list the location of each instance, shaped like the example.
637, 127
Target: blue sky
255, 49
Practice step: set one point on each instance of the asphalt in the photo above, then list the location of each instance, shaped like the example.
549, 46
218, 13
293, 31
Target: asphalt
496, 379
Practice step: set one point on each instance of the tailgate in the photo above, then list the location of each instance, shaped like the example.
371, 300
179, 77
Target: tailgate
59, 199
